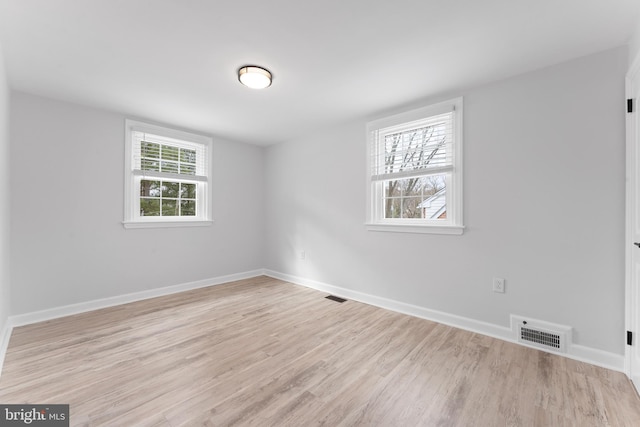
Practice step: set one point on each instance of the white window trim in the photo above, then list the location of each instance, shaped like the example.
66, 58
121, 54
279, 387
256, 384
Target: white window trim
133, 221
454, 225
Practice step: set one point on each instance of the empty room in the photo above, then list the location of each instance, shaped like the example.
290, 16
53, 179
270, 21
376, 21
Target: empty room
338, 213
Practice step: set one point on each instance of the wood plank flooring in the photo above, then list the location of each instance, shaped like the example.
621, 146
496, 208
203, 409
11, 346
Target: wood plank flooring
262, 352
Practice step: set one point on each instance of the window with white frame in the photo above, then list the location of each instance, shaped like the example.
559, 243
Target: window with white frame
167, 174
415, 170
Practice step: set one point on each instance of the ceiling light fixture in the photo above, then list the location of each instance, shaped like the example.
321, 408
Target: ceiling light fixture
254, 77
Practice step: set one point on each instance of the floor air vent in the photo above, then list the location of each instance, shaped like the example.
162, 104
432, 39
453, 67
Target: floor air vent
544, 335
335, 298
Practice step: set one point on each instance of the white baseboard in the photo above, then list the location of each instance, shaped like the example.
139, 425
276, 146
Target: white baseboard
5, 335
597, 357
577, 352
83, 307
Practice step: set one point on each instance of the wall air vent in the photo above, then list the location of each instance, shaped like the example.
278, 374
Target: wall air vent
540, 334
539, 337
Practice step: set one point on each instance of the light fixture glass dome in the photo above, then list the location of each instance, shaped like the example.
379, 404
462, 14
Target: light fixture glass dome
254, 77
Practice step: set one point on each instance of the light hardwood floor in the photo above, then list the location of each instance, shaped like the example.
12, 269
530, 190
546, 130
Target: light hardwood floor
264, 352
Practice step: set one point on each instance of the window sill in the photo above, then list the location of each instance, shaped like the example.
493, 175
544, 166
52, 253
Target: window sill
165, 224
419, 229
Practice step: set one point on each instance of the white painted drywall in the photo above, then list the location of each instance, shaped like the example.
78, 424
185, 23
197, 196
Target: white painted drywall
4, 198
544, 207
634, 43
68, 243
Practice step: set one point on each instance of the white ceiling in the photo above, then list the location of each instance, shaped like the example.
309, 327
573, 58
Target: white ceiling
175, 61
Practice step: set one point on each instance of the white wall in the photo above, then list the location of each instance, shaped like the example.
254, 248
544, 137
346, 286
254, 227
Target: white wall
4, 199
634, 43
544, 208
68, 243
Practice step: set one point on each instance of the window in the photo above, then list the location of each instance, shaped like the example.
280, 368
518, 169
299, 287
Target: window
167, 175
415, 171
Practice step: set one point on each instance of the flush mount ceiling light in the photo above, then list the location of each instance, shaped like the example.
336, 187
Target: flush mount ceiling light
254, 77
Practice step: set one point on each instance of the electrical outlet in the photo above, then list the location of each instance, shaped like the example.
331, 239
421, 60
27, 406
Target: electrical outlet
302, 255
498, 285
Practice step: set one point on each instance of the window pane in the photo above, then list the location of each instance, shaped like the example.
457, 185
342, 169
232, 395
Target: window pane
186, 169
416, 149
392, 208
188, 207
149, 188
170, 167
169, 207
150, 165
392, 189
170, 153
187, 191
421, 197
188, 156
149, 207
410, 207
150, 150
170, 189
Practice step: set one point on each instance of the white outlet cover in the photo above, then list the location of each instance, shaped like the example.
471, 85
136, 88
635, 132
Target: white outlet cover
498, 285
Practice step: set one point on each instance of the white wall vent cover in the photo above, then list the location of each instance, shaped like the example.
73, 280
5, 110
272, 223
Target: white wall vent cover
544, 335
